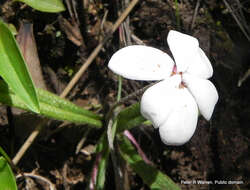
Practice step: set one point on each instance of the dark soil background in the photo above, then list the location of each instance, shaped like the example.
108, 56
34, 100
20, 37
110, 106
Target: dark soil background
219, 149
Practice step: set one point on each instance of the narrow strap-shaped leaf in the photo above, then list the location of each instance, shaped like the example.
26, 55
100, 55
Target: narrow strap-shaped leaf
48, 110
61, 114
102, 167
129, 118
13, 69
50, 98
154, 178
102, 151
51, 106
52, 6
7, 179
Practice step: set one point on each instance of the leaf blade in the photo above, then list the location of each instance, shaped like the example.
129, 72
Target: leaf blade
7, 179
102, 151
154, 178
129, 118
13, 69
48, 97
53, 110
51, 6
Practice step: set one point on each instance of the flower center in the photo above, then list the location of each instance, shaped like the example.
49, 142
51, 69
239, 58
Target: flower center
175, 72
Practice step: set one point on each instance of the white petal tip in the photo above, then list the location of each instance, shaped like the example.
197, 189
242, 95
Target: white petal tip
208, 111
177, 135
204, 92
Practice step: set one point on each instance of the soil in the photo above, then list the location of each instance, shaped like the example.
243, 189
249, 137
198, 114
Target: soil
218, 151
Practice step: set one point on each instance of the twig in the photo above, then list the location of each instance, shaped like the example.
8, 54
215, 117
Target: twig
81, 142
71, 5
245, 76
104, 20
137, 40
29, 141
195, 13
41, 178
64, 176
241, 14
237, 20
125, 26
69, 8
97, 49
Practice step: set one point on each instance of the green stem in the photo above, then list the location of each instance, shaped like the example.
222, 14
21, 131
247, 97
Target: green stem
119, 88
177, 14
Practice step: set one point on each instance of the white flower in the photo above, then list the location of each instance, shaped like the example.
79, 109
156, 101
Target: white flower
173, 104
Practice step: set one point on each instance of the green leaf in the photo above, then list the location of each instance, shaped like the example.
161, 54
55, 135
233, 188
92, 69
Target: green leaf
51, 108
51, 6
5, 155
50, 98
102, 167
129, 117
13, 69
7, 179
62, 114
155, 179
103, 156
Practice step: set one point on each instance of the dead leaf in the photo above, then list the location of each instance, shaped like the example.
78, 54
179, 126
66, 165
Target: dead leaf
27, 44
72, 31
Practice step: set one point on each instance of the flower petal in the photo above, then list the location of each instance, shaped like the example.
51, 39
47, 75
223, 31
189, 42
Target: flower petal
159, 100
204, 92
182, 47
200, 66
181, 123
139, 62
188, 56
